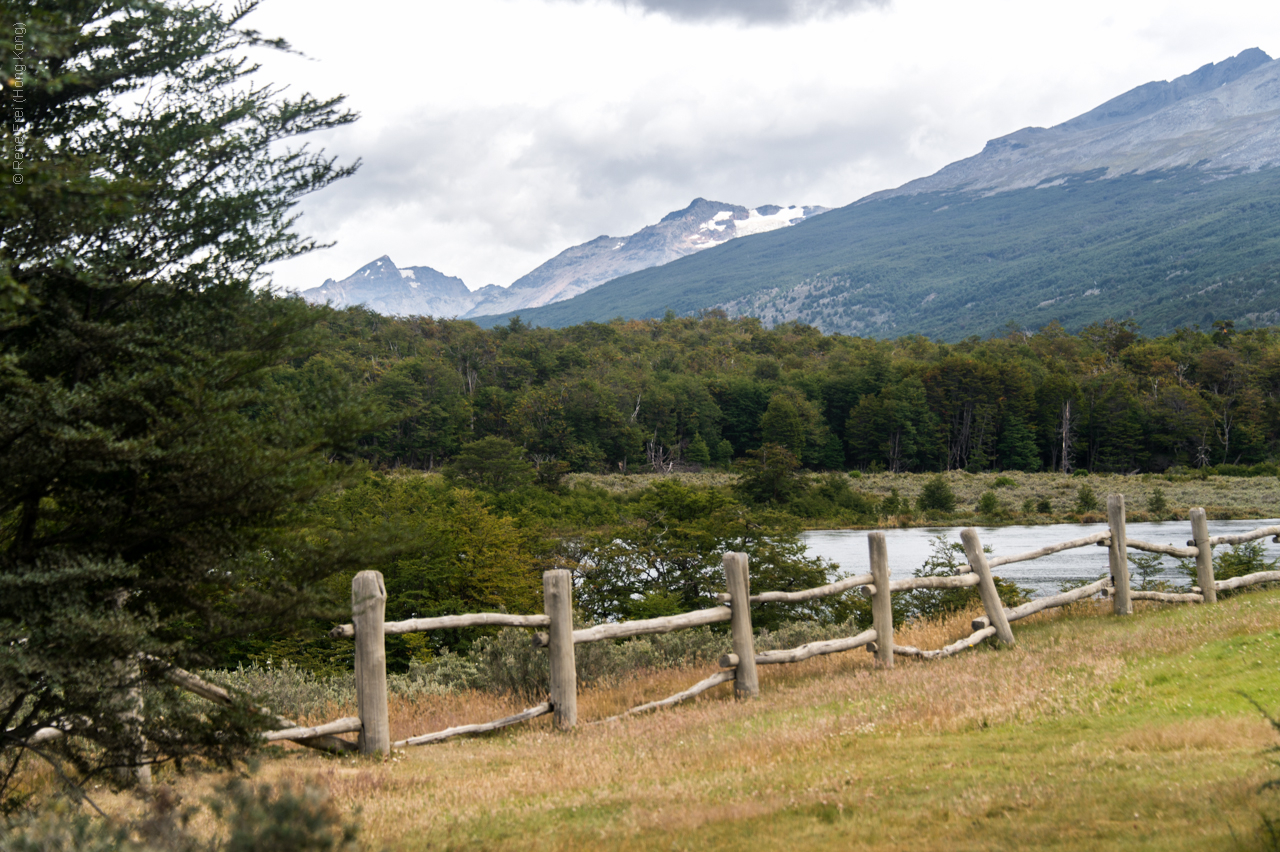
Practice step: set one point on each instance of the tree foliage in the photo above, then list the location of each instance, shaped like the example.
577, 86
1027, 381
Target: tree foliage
159, 419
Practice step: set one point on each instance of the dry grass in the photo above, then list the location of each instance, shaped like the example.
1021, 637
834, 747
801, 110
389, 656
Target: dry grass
1094, 732
1223, 497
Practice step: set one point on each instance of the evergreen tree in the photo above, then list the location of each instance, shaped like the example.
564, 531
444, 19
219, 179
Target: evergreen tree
1017, 447
697, 452
154, 442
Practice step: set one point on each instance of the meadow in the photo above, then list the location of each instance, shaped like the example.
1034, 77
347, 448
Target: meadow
1222, 497
1094, 732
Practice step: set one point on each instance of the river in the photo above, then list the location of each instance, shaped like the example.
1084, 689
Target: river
908, 549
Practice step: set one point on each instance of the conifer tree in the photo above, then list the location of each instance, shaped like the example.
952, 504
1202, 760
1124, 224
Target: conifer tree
154, 432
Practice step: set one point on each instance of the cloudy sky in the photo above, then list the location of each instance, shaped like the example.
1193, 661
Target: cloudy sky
496, 133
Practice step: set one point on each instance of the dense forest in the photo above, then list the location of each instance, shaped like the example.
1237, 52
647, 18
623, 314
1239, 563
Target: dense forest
662, 394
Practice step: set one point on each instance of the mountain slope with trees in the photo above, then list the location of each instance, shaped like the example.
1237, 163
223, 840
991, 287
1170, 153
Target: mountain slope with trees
1157, 207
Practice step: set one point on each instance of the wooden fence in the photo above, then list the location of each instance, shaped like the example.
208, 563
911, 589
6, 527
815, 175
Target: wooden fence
369, 627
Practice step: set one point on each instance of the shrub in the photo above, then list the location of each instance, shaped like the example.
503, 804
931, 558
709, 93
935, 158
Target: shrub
1241, 559
988, 504
1043, 506
946, 559
1146, 567
1157, 504
1028, 506
1003, 482
893, 505
936, 495
1086, 500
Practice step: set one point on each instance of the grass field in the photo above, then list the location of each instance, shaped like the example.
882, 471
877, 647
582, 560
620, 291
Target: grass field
1093, 733
1222, 497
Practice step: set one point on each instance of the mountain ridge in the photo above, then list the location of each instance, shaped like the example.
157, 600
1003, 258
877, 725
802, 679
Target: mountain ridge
422, 290
1129, 213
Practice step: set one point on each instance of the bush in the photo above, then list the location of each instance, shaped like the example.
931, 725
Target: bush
1086, 500
988, 504
1003, 482
1241, 559
1157, 504
937, 496
946, 560
1044, 507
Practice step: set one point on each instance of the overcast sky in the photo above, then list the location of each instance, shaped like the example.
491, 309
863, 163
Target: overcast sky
497, 133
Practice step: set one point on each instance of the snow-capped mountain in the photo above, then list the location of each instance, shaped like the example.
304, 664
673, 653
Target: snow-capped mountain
387, 289
421, 290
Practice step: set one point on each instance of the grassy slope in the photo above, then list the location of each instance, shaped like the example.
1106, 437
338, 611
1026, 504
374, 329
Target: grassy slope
1150, 243
1093, 733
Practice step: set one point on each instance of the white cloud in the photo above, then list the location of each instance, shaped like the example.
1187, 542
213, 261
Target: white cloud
496, 133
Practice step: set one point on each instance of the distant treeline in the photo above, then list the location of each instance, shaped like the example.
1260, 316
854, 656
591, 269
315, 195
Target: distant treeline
644, 394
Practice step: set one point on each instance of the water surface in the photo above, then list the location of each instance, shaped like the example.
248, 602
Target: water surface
908, 549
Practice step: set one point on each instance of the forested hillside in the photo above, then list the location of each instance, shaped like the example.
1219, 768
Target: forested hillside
1165, 248
645, 394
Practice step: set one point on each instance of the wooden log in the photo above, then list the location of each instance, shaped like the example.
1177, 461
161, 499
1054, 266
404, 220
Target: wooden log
1118, 555
522, 716
986, 585
439, 736
345, 725
446, 622
1248, 580
1204, 554
953, 648
43, 735
644, 626
816, 649
1096, 538
697, 689
368, 612
212, 692
1241, 538
557, 591
728, 661
807, 594
1040, 604
1166, 597
1168, 549
881, 600
746, 683
137, 765
961, 581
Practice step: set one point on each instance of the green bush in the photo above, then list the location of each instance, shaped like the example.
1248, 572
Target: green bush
936, 496
1044, 507
988, 504
1086, 500
1003, 482
1157, 504
1241, 559
947, 559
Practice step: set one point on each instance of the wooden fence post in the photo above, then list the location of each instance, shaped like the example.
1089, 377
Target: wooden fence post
746, 683
557, 599
1204, 555
368, 614
881, 602
986, 585
1118, 553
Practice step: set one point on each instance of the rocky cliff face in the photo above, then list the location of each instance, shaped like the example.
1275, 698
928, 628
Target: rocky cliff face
421, 290
1224, 117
